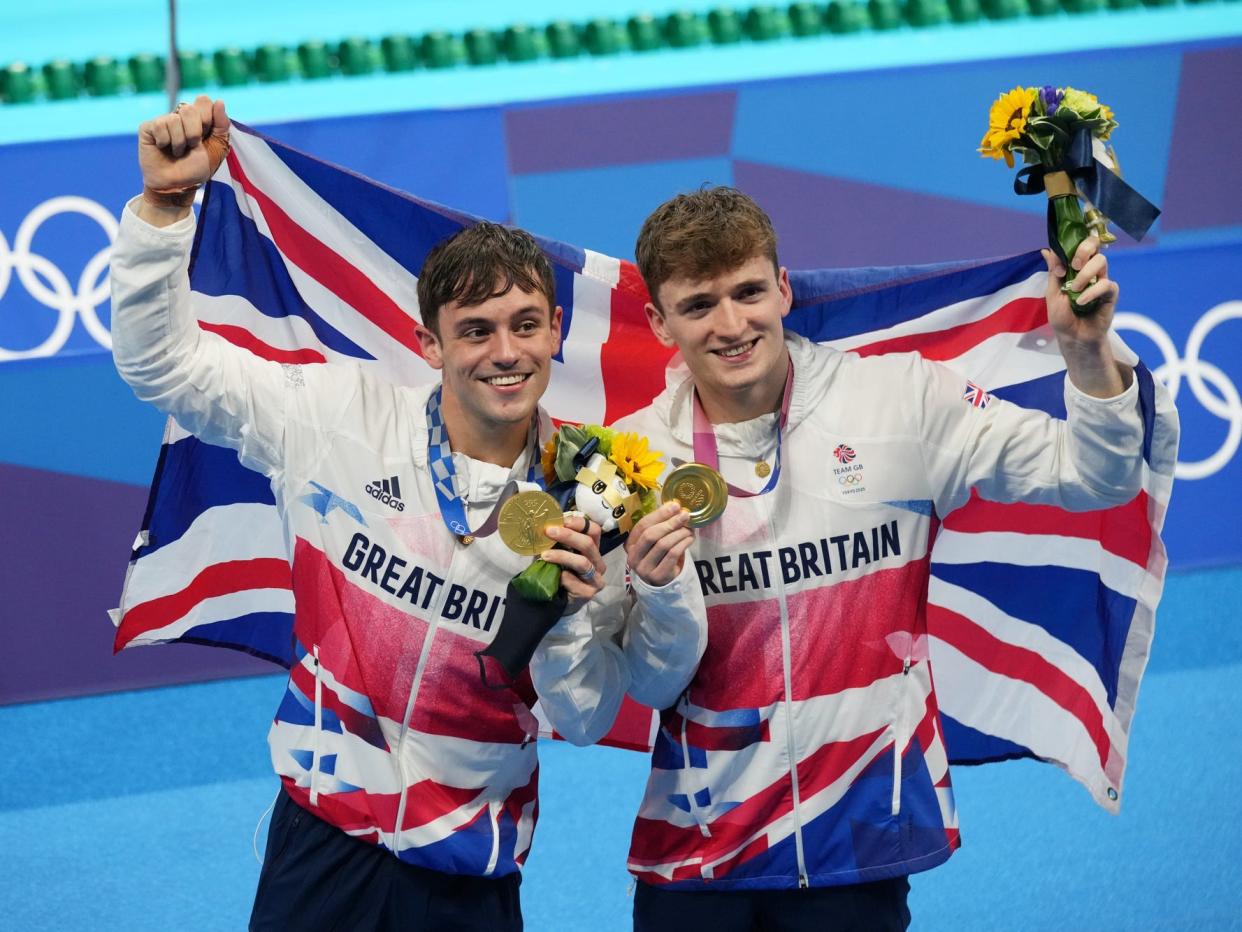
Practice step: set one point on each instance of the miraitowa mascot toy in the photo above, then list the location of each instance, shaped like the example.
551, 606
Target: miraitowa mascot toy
608, 477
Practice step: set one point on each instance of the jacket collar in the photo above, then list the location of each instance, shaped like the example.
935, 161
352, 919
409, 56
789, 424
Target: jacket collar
673, 404
480, 489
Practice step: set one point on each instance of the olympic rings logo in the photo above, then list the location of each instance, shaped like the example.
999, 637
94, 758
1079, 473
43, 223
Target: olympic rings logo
1225, 403
852, 479
48, 285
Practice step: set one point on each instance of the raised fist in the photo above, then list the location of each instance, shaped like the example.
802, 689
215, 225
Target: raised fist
179, 151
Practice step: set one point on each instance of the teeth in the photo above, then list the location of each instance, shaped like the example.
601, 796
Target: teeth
737, 350
506, 379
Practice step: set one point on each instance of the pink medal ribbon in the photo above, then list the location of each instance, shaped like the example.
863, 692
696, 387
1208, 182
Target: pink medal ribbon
705, 439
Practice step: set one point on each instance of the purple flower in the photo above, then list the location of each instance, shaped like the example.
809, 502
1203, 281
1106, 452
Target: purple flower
1051, 98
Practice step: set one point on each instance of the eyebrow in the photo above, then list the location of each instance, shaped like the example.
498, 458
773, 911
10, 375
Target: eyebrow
468, 322
759, 282
684, 303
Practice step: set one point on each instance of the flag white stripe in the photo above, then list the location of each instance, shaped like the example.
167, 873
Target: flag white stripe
1075, 553
240, 531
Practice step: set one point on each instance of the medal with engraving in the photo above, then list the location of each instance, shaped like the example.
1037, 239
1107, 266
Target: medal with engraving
523, 519
699, 489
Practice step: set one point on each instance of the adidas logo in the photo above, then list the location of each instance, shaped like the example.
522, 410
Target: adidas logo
387, 491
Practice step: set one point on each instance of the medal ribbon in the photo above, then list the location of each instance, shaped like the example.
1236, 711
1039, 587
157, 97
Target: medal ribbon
444, 473
705, 451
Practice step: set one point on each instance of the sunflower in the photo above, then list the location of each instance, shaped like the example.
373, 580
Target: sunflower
637, 465
548, 460
1007, 123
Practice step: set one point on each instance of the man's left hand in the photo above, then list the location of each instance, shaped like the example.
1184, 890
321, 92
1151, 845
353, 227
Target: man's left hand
1084, 340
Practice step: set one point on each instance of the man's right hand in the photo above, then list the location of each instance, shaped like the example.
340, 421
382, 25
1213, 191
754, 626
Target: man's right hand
657, 544
178, 152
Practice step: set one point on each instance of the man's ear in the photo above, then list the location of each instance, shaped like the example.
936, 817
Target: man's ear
655, 317
557, 314
786, 290
429, 346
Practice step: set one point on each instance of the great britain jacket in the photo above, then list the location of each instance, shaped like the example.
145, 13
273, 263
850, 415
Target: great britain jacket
807, 749
385, 729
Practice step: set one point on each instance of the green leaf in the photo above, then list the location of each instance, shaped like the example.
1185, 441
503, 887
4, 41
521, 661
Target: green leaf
539, 582
566, 450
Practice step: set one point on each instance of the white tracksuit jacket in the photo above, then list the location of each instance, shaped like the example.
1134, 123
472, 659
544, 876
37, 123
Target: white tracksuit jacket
385, 729
807, 748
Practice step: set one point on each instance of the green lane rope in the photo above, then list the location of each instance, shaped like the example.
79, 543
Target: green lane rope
272, 63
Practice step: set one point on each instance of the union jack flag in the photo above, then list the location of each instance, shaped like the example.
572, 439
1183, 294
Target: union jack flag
1030, 608
976, 396
844, 454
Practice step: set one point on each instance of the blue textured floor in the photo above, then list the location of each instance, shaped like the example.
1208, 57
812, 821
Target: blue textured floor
135, 811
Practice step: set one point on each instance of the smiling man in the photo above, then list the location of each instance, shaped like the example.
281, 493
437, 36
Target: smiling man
791, 782
408, 789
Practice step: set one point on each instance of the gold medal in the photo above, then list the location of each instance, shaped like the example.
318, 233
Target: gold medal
762, 469
700, 489
523, 518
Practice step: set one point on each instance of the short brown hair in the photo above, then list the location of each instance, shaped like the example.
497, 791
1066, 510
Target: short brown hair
480, 262
702, 234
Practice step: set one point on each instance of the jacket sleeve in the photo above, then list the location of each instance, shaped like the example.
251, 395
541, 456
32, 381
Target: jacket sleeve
1092, 459
221, 393
647, 643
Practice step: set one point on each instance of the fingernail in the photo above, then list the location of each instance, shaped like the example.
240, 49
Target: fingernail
545, 555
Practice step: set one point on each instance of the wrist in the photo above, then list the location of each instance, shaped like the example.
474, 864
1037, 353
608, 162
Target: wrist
164, 208
1094, 370
169, 198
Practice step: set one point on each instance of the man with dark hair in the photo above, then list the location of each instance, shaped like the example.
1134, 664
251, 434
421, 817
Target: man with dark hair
387, 742
790, 785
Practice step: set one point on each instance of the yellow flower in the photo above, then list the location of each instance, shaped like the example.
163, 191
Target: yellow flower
548, 461
1007, 123
637, 465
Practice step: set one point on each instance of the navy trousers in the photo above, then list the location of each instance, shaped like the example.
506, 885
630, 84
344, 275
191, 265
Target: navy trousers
865, 907
315, 878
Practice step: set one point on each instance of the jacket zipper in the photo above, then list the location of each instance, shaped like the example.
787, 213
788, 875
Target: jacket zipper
314, 775
899, 735
787, 662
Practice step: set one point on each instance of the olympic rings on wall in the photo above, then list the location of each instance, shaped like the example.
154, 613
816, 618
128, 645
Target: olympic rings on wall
1225, 403
47, 284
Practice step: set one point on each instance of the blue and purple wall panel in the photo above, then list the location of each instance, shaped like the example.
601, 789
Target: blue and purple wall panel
862, 168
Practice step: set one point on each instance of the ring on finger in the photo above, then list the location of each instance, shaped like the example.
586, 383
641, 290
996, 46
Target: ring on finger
588, 575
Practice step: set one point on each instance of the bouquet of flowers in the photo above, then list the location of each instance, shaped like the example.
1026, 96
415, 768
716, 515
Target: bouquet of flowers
608, 476
1061, 132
